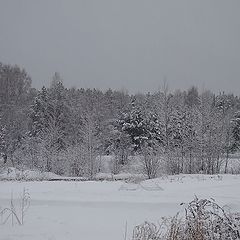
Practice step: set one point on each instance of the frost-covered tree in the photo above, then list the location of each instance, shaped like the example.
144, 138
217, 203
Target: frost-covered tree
188, 131
40, 112
236, 131
143, 129
192, 97
90, 142
3, 154
15, 85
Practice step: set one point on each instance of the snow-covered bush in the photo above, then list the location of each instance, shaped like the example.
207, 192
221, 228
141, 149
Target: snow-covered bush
203, 220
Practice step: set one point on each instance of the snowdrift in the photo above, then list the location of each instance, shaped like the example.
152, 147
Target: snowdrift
11, 173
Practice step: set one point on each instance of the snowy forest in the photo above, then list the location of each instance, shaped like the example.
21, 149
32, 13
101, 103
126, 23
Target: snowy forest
68, 130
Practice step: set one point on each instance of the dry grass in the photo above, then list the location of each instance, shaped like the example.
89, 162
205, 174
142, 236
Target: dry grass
16, 212
203, 220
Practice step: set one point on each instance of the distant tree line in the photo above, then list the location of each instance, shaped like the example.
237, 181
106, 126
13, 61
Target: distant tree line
66, 131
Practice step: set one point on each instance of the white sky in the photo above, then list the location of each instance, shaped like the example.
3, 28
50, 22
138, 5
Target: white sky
131, 44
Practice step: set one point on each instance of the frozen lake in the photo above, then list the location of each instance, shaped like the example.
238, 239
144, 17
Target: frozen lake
100, 210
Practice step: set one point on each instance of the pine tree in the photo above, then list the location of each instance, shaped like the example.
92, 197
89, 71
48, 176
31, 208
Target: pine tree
144, 130
134, 125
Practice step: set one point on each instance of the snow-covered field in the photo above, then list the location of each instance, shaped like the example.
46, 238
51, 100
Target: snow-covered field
100, 210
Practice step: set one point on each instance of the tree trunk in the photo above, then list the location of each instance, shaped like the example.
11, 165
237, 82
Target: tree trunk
226, 162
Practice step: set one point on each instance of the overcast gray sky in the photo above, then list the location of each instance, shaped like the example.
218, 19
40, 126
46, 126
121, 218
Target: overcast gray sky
132, 44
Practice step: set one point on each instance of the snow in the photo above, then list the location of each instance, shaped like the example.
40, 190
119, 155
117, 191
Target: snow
99, 210
11, 173
119, 176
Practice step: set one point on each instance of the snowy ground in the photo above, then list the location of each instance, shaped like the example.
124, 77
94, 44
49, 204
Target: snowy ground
100, 210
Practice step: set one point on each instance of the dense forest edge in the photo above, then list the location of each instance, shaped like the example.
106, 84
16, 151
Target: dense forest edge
68, 131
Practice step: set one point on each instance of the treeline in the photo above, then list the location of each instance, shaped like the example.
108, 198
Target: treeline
66, 131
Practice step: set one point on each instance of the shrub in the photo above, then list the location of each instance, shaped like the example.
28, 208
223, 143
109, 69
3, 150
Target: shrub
203, 220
